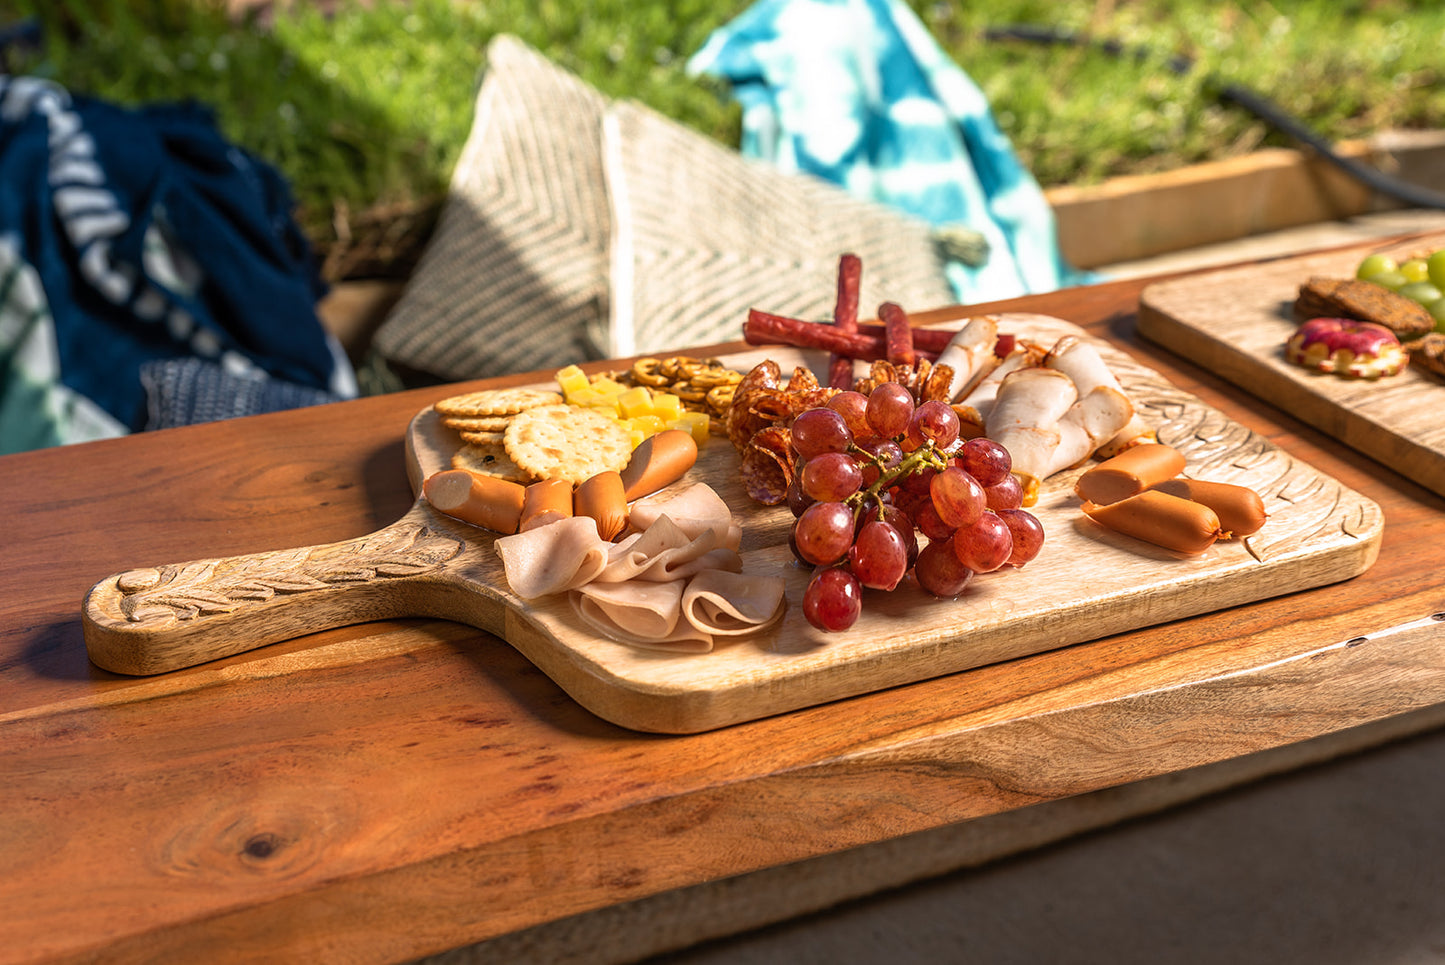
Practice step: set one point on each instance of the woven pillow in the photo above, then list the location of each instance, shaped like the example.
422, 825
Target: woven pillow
514, 277
701, 234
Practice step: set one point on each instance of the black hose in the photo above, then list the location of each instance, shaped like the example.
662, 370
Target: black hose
1256, 104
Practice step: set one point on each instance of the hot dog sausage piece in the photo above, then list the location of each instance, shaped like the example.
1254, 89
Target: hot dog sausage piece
1172, 522
1239, 508
1131, 471
545, 501
659, 460
602, 497
486, 501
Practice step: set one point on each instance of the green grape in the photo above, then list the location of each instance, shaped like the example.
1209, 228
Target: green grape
1421, 291
1377, 264
1392, 280
1437, 310
1416, 269
1436, 264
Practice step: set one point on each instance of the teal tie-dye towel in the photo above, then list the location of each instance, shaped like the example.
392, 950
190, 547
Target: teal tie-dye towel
859, 93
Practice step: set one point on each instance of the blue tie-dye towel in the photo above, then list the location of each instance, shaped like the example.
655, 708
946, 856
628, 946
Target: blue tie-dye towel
858, 92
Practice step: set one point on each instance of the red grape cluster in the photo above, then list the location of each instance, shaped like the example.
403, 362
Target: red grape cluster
877, 470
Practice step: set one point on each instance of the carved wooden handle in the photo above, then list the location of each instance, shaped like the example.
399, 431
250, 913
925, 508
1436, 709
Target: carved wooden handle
156, 619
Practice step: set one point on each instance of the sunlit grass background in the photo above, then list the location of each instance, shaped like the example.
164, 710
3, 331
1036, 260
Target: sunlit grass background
365, 106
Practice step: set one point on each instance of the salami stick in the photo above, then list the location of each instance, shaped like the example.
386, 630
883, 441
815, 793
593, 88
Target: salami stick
898, 334
868, 343
845, 318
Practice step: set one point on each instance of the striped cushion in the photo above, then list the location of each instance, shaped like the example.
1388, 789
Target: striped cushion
702, 234
515, 276
577, 229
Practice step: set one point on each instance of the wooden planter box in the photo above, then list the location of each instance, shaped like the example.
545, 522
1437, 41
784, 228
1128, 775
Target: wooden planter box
1136, 217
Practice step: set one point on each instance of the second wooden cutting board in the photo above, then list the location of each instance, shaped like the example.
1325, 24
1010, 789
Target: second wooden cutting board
1235, 322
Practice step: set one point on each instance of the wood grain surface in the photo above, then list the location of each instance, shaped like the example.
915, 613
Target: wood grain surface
1236, 321
392, 789
163, 618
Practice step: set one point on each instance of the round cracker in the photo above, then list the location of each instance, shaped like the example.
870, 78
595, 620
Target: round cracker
484, 438
494, 402
567, 442
489, 460
484, 423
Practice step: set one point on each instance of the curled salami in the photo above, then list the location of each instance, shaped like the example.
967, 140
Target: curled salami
767, 465
742, 421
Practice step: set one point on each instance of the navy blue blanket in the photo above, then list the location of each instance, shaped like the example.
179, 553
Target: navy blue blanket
129, 236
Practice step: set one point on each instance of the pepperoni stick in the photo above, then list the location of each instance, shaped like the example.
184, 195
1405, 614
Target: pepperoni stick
898, 334
845, 318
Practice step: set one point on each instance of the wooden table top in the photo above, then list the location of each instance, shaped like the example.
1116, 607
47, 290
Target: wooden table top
393, 789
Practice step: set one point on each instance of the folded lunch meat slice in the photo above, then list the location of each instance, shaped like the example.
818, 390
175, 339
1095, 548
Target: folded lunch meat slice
554, 558
641, 613
665, 552
725, 603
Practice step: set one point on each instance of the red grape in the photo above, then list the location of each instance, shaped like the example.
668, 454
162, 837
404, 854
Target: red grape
984, 545
831, 477
886, 451
820, 430
879, 556
935, 421
1027, 532
940, 571
904, 524
1008, 493
890, 407
824, 532
920, 482
853, 407
931, 524
957, 497
985, 460
910, 503
797, 499
833, 599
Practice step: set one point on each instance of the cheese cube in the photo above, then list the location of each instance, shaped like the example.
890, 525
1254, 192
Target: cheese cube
635, 401
698, 423
570, 379
589, 396
667, 406
648, 424
608, 387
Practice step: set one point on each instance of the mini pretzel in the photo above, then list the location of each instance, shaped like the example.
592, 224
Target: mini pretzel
647, 371
711, 378
721, 398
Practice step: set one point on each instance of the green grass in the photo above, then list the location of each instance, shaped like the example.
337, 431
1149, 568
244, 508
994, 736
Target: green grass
369, 107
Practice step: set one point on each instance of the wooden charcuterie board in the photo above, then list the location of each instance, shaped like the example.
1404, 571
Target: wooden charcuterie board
1235, 322
1086, 584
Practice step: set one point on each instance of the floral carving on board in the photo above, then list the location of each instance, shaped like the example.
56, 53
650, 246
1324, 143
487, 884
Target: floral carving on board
186, 591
